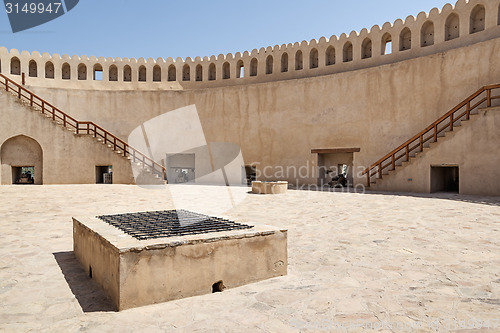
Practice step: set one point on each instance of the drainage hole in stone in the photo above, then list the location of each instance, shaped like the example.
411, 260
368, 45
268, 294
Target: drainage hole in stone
218, 287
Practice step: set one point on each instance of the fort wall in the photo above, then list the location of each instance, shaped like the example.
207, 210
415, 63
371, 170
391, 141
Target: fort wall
373, 104
427, 33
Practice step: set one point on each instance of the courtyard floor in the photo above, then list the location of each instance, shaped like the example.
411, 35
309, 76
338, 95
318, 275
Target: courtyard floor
357, 263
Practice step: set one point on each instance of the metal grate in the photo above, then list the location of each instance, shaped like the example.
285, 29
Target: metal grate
169, 223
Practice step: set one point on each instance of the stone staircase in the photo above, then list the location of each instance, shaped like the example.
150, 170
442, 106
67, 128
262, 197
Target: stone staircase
146, 171
428, 138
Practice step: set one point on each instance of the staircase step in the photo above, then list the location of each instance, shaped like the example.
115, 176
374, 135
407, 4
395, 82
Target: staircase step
59, 122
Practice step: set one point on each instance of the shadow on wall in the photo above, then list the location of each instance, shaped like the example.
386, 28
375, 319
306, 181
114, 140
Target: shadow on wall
87, 293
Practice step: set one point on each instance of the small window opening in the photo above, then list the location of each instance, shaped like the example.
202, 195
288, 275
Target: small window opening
240, 70
386, 44
98, 74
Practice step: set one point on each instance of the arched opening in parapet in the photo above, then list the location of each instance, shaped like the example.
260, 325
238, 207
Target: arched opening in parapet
127, 73
240, 69
142, 73
113, 73
269, 64
0, 66
284, 62
49, 70
477, 18
498, 20
21, 161
347, 52
452, 27
211, 72
186, 73
82, 72
299, 61
156, 73
330, 56
405, 39
313, 59
253, 67
66, 71
427, 34
199, 73
33, 69
226, 71
366, 48
386, 44
97, 73
172, 73
15, 66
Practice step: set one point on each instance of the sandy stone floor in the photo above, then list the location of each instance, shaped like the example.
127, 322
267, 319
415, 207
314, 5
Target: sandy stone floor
357, 263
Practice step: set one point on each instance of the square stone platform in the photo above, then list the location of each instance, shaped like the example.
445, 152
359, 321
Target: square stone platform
139, 272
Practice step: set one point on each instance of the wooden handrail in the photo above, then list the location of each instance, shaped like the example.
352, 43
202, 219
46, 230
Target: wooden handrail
435, 128
82, 126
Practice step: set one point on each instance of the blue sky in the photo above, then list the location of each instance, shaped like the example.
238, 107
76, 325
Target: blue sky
162, 28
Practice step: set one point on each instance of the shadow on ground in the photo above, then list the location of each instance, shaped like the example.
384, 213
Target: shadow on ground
490, 201
88, 294
484, 200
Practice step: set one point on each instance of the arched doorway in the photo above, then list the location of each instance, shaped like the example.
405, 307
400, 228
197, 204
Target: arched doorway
21, 160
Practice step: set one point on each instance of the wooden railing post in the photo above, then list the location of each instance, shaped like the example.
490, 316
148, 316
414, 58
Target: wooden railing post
368, 178
77, 127
125, 150
19, 92
435, 133
394, 161
43, 106
64, 119
133, 155
380, 170
407, 153
53, 114
88, 128
488, 97
451, 122
421, 143
31, 99
95, 131
105, 137
467, 111
23, 78
114, 143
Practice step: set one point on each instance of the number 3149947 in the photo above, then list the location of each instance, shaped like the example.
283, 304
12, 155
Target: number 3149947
33, 8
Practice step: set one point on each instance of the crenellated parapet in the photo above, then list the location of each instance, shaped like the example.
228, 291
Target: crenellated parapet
466, 23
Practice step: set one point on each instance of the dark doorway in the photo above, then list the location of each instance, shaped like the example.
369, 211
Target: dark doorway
23, 175
250, 174
444, 179
104, 174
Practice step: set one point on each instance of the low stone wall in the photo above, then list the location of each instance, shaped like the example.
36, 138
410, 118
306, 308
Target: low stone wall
259, 187
141, 272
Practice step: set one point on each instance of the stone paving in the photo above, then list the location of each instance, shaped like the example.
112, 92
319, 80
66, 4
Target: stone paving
357, 263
